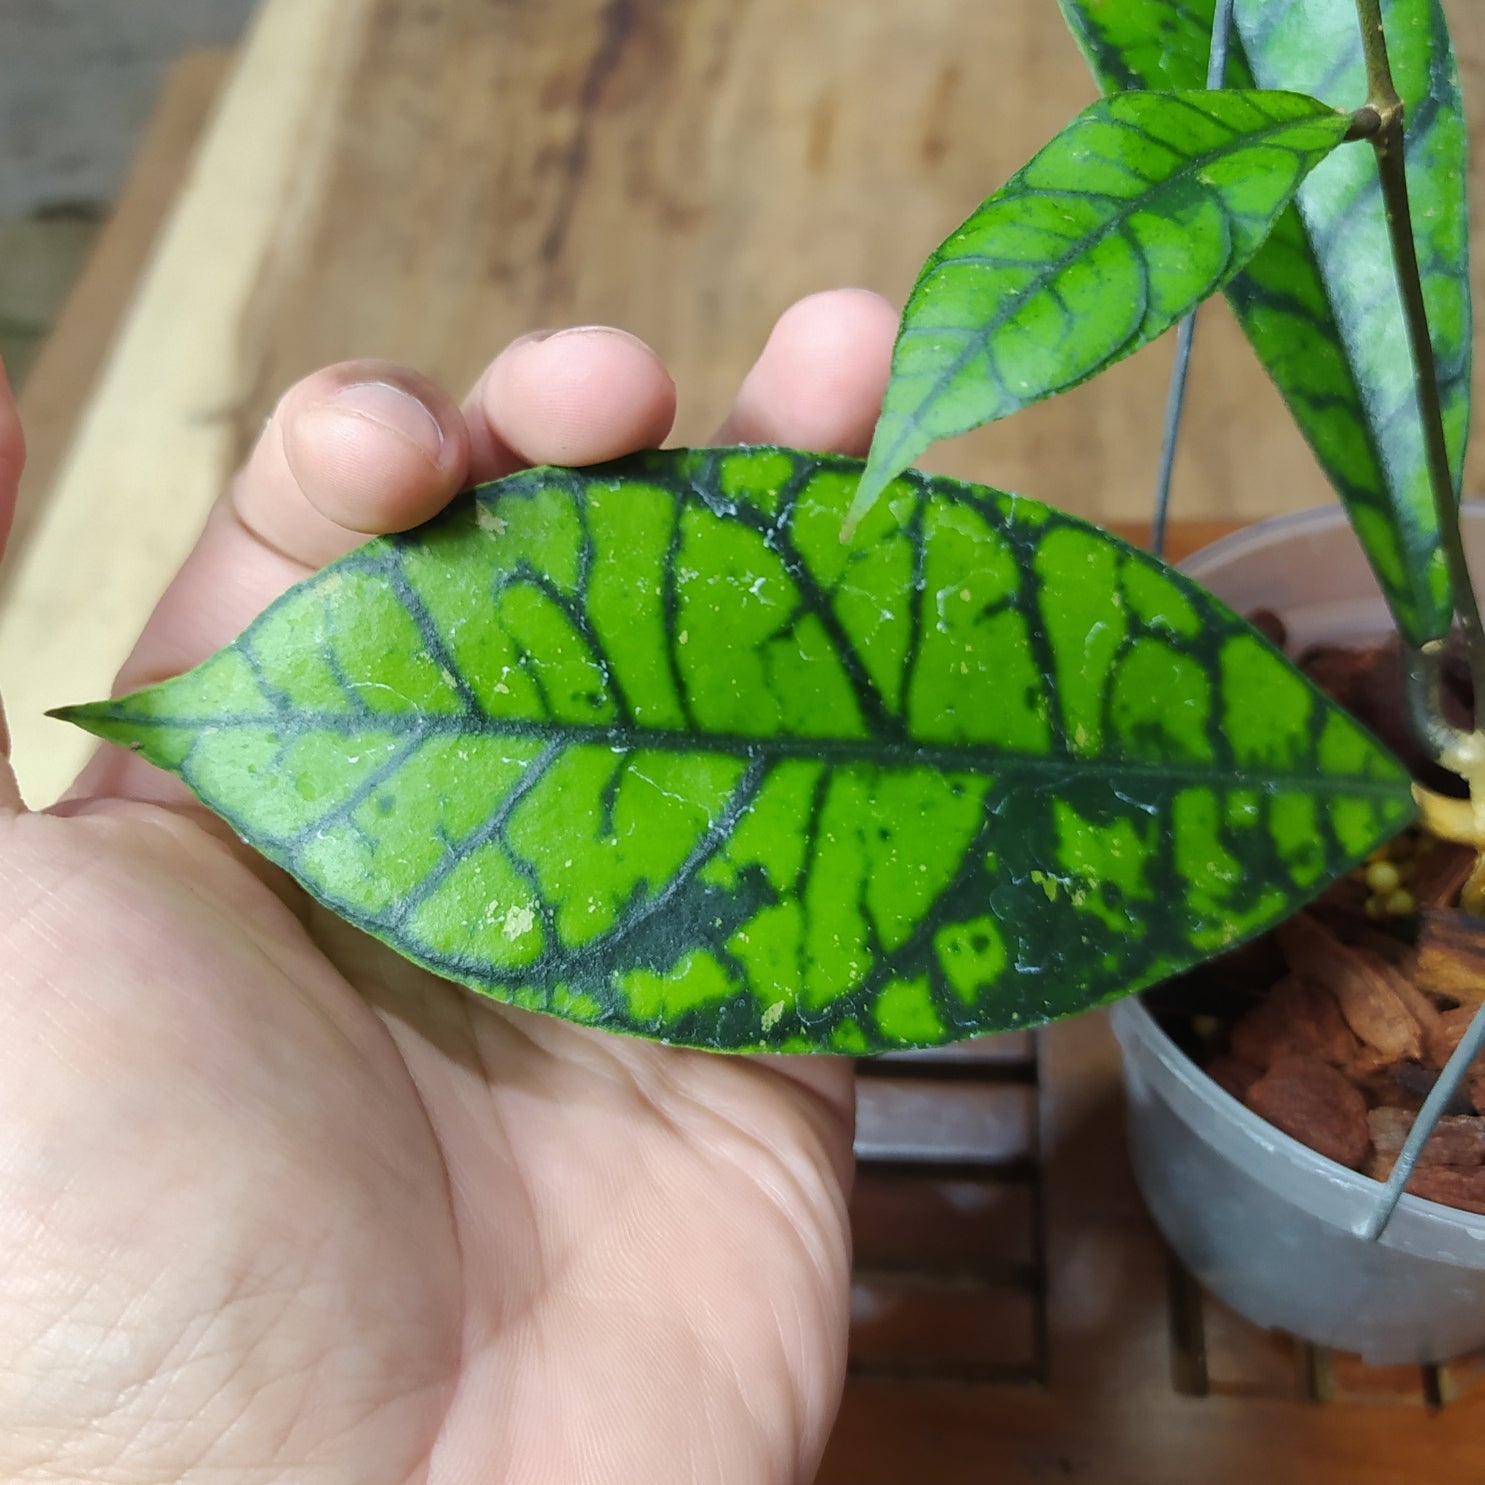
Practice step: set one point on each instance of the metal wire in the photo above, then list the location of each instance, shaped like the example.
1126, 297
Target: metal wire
1429, 1115
1185, 333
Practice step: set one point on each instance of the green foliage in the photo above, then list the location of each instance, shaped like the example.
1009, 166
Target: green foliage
1144, 205
1319, 302
647, 746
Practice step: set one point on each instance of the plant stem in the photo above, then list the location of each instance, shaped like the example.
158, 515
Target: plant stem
1380, 89
1186, 332
1387, 143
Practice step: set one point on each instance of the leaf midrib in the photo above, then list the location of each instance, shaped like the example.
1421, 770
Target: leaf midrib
833, 751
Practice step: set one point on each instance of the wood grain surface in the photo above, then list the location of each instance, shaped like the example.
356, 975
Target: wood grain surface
425, 180
688, 169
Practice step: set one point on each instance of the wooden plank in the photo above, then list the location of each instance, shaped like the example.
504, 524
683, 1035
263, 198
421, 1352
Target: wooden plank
952, 1226
921, 1119
66, 368
944, 1330
1244, 1360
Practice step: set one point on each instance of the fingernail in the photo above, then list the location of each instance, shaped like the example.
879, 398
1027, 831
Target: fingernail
588, 330
536, 337
381, 402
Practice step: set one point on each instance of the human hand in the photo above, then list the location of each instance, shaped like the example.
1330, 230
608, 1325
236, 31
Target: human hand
277, 1205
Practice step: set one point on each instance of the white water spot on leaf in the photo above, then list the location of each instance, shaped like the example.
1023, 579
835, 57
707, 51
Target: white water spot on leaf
656, 785
360, 685
519, 921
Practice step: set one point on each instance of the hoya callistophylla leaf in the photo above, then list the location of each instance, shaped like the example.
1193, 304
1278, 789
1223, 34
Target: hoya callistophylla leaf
647, 746
1376, 460
1318, 301
1149, 45
1144, 205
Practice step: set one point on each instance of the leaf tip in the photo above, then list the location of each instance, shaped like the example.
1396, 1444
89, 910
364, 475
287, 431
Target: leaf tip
91, 716
868, 492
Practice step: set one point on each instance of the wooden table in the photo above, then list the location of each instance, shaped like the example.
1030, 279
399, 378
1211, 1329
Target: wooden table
425, 181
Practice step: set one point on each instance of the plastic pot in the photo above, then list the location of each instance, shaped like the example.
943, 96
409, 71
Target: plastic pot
1264, 1222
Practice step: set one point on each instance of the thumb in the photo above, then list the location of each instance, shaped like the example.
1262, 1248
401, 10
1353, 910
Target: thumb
12, 457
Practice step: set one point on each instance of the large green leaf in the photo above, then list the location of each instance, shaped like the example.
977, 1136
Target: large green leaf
1140, 208
1318, 302
647, 746
1154, 45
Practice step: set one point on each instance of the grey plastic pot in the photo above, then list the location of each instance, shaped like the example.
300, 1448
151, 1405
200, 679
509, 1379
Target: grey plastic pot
1265, 1223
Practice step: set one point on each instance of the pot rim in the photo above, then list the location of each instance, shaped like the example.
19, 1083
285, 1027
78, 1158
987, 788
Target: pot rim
1328, 1191
1259, 534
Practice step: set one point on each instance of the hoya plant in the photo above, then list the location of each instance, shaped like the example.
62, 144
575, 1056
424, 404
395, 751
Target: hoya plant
754, 747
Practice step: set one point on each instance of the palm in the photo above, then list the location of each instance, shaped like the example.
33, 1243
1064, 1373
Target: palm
272, 1200
468, 1235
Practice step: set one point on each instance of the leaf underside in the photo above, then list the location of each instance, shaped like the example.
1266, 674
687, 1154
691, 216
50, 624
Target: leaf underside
647, 746
1318, 302
1144, 205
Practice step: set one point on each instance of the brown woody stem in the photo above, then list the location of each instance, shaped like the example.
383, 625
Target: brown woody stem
1468, 756
1387, 144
